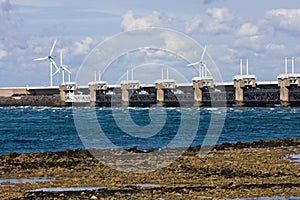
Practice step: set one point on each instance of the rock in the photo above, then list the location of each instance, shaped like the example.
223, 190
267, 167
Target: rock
227, 173
94, 197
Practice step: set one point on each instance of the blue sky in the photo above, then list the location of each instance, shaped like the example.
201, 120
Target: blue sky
263, 31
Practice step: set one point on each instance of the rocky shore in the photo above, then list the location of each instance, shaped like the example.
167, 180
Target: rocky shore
241, 170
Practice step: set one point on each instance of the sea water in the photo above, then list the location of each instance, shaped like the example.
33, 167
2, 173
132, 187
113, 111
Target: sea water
41, 129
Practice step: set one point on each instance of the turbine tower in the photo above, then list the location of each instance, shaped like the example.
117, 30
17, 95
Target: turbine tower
52, 62
63, 68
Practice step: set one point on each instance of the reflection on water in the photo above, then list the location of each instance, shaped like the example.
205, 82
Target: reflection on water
25, 180
293, 157
67, 189
141, 185
89, 188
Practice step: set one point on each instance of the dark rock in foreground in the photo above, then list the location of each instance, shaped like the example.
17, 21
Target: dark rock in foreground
257, 169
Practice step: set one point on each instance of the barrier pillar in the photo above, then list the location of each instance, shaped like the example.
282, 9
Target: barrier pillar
198, 86
93, 92
240, 82
284, 84
64, 90
160, 94
93, 88
127, 87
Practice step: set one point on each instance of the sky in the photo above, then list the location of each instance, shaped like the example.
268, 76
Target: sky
263, 31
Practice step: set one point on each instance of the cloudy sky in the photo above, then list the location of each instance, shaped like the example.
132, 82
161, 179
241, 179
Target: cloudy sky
264, 31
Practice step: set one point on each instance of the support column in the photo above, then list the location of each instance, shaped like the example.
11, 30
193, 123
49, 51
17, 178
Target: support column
62, 94
93, 92
285, 81
127, 87
240, 83
198, 86
65, 90
160, 95
93, 88
125, 96
239, 92
284, 84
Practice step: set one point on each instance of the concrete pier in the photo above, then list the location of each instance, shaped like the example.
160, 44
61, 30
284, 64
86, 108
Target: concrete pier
284, 84
240, 83
8, 92
161, 86
65, 90
198, 84
285, 81
93, 88
128, 87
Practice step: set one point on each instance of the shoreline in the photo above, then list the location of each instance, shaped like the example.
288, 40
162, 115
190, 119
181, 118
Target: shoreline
223, 146
240, 170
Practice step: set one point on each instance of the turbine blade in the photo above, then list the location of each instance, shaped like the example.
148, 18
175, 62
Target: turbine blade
193, 64
65, 68
51, 51
53, 62
203, 53
55, 72
61, 59
44, 58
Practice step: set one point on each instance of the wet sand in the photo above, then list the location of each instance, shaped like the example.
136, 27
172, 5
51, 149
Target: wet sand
259, 169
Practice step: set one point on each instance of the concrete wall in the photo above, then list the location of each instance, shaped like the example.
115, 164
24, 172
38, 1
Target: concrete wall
13, 92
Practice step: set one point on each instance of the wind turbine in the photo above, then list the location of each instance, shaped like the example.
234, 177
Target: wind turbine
202, 65
63, 68
52, 62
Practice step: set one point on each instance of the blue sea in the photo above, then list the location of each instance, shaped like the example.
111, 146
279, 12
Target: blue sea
41, 129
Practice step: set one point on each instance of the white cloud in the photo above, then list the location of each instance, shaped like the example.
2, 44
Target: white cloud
285, 19
248, 29
5, 19
219, 14
6, 6
249, 37
220, 21
251, 42
130, 22
3, 53
275, 47
192, 25
179, 44
83, 47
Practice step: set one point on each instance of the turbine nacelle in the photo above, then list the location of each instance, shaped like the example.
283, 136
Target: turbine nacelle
49, 57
